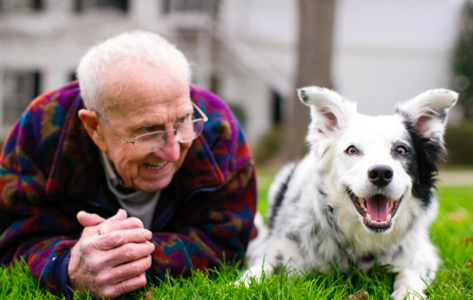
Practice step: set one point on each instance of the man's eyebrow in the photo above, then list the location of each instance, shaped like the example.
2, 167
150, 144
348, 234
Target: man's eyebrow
145, 123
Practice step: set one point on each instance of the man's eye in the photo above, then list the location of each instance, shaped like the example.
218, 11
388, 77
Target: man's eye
182, 120
150, 129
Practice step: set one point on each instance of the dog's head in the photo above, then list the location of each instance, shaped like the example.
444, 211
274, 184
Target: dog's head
382, 169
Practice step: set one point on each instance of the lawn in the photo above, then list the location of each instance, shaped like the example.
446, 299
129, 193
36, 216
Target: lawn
452, 233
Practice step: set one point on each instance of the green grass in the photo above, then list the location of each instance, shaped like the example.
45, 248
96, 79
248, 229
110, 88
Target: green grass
452, 233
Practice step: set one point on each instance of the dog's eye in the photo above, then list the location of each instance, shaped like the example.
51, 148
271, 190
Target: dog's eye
352, 150
401, 150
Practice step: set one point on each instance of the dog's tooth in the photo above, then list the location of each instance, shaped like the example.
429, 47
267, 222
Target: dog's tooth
362, 203
388, 218
368, 218
383, 223
391, 204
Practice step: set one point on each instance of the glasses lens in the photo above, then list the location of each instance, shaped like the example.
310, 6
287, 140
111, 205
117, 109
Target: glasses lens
149, 143
189, 131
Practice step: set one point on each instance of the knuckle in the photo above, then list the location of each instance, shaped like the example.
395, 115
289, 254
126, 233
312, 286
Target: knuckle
128, 252
117, 238
93, 264
86, 245
101, 279
122, 288
136, 222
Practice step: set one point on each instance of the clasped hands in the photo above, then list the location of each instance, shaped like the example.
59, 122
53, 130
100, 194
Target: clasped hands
112, 255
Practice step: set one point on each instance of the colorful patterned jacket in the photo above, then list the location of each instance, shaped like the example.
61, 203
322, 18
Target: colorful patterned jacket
50, 170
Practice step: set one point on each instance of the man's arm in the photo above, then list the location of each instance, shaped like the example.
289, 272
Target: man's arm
109, 258
42, 232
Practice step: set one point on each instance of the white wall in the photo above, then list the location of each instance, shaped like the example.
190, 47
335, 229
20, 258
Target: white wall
390, 51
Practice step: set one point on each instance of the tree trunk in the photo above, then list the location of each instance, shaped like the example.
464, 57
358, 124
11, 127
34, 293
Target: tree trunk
314, 61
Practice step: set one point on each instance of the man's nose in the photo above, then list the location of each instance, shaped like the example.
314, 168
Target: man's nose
170, 150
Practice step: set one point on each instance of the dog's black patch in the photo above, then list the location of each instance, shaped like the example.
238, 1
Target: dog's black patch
279, 198
279, 260
294, 236
328, 212
303, 95
314, 231
369, 258
423, 165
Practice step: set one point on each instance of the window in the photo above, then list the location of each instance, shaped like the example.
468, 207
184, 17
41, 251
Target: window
21, 5
81, 5
276, 103
170, 6
20, 88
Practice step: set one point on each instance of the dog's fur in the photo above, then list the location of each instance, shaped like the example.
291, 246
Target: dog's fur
316, 218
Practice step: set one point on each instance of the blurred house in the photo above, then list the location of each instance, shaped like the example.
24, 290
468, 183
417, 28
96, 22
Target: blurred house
244, 50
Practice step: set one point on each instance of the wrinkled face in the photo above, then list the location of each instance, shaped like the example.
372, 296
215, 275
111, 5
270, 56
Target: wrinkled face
375, 160
146, 99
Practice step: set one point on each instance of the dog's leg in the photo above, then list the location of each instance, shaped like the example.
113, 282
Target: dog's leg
284, 253
408, 283
254, 272
418, 270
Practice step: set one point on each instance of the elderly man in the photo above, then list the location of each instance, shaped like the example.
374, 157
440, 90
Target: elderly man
134, 137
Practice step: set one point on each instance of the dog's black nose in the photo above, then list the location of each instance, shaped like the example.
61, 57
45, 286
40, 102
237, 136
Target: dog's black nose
380, 175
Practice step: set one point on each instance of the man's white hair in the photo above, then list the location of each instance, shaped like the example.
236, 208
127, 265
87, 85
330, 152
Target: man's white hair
130, 47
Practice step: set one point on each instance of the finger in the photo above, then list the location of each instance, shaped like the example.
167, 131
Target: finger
124, 287
129, 253
126, 271
116, 239
120, 215
115, 225
86, 219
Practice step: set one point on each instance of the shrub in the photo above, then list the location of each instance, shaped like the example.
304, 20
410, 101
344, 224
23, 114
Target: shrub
459, 140
269, 145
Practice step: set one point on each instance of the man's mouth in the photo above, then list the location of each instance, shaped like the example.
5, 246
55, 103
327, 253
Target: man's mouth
156, 165
377, 211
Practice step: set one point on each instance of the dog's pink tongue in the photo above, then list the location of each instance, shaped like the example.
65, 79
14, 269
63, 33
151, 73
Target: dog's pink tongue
377, 207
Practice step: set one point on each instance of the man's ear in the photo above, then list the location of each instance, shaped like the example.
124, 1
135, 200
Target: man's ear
90, 120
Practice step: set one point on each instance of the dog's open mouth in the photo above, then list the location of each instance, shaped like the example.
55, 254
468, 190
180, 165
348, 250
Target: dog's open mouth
377, 211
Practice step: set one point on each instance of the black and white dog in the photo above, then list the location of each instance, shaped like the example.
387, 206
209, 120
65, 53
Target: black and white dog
363, 192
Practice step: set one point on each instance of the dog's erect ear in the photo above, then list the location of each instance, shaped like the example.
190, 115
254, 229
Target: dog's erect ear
428, 112
329, 110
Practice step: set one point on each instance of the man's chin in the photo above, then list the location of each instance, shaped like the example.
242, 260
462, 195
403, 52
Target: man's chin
153, 186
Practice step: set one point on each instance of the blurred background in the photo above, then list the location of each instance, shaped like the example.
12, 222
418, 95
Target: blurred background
255, 53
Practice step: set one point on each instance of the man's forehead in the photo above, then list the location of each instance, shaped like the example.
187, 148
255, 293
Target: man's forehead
149, 87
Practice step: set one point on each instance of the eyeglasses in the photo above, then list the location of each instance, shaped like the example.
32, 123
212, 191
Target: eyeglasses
153, 141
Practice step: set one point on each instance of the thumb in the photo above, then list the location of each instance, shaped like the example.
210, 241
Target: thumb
86, 219
120, 215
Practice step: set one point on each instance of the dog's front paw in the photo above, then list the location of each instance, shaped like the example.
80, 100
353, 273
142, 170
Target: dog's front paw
245, 279
408, 294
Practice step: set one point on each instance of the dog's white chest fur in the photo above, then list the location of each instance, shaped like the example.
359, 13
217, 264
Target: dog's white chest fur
363, 192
